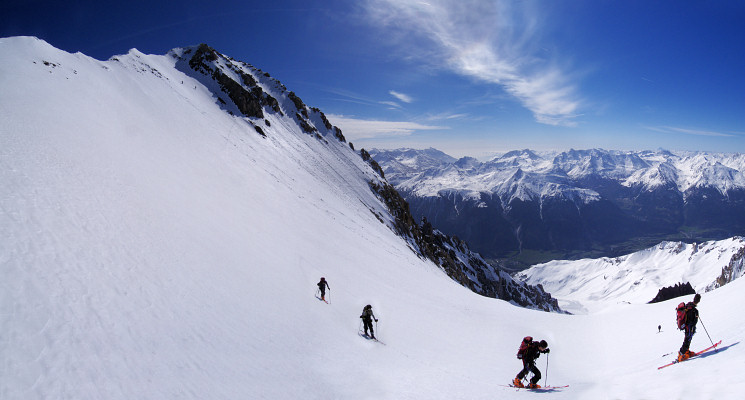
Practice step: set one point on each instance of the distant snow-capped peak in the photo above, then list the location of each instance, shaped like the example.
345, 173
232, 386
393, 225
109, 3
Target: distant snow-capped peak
525, 174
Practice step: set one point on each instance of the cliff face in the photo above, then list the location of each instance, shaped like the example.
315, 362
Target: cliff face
735, 269
247, 91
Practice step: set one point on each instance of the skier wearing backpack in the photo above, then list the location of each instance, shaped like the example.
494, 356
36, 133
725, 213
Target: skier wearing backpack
322, 285
529, 351
687, 317
367, 318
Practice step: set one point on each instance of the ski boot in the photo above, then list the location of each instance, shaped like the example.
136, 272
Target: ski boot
532, 385
517, 383
683, 356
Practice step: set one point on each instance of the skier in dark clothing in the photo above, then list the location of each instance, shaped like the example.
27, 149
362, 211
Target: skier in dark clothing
367, 318
322, 285
530, 353
691, 319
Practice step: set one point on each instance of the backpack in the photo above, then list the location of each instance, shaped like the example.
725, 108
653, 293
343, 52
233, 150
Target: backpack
681, 312
527, 340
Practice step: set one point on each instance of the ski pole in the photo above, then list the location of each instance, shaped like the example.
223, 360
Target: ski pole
707, 333
545, 380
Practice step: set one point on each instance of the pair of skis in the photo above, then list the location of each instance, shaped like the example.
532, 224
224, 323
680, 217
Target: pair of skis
540, 389
694, 355
368, 337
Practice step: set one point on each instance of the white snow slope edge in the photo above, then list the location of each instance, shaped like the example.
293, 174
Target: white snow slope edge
155, 247
591, 285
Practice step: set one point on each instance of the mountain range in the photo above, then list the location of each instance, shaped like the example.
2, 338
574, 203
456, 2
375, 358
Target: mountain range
536, 206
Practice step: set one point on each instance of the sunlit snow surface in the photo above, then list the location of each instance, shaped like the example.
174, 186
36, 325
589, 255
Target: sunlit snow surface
155, 247
595, 284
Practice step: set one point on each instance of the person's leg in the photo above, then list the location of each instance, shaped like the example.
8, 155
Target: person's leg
688, 336
520, 375
536, 374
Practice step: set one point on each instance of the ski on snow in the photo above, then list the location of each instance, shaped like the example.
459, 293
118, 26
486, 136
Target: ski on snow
694, 355
362, 335
540, 389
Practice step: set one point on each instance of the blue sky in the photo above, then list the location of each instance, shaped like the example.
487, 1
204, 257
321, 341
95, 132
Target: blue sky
466, 77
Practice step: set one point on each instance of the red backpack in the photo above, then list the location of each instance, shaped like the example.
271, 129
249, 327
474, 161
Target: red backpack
527, 340
680, 312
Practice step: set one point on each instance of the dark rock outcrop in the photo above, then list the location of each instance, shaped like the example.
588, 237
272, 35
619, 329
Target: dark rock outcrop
246, 95
671, 292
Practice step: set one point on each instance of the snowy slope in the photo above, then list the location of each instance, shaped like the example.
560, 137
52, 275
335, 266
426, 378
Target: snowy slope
156, 247
592, 285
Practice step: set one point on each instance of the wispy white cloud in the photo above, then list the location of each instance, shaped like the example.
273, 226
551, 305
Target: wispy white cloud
402, 97
352, 97
446, 116
493, 41
687, 131
355, 128
392, 104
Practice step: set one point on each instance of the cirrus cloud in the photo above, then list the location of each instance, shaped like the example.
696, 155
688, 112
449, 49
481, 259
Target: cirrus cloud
493, 41
688, 131
355, 128
402, 97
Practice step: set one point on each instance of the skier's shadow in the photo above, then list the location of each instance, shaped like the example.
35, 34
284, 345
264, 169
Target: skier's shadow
545, 390
718, 350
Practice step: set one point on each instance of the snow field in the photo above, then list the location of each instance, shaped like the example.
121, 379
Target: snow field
155, 247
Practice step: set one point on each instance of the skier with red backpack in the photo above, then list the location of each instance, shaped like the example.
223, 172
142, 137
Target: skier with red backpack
529, 351
687, 317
